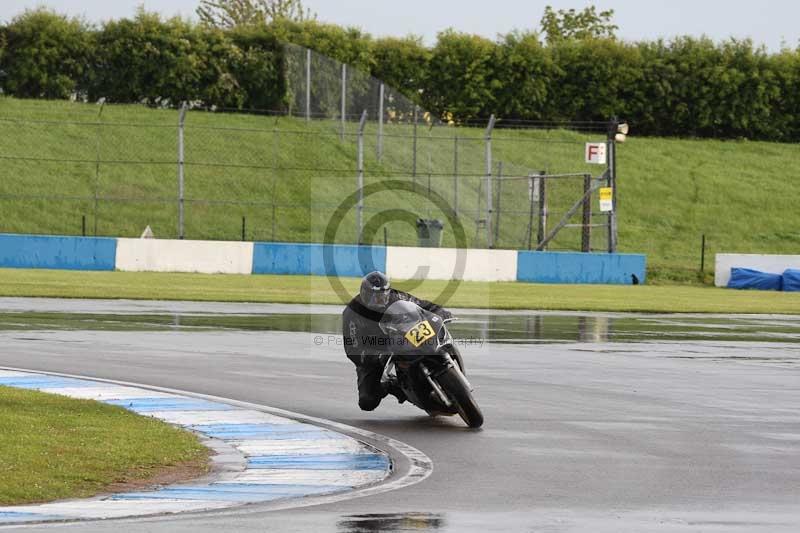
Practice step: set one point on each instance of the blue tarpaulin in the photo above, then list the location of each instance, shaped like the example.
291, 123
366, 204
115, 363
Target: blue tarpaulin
791, 280
746, 278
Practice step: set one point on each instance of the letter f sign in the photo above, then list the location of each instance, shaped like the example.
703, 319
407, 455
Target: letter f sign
596, 153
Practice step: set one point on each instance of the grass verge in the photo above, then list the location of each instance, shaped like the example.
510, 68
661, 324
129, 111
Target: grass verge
317, 289
55, 447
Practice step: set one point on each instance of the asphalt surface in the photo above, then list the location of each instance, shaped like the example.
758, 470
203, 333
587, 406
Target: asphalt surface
593, 422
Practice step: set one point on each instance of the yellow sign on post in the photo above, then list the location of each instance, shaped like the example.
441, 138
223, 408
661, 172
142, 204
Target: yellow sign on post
606, 199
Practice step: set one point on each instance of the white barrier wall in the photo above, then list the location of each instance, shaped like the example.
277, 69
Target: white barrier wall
440, 263
774, 264
208, 257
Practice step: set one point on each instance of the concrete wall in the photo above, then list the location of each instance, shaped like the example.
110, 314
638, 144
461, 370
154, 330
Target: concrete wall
574, 267
442, 263
65, 253
317, 259
213, 257
208, 257
774, 264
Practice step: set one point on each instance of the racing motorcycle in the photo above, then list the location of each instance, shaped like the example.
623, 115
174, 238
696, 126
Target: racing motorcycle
425, 364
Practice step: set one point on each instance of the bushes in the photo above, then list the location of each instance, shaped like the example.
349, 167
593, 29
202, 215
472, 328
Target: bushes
45, 55
525, 70
147, 59
694, 87
401, 63
594, 79
685, 87
251, 61
150, 60
461, 76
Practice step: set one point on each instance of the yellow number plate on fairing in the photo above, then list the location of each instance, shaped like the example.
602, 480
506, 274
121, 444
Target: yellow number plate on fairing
420, 333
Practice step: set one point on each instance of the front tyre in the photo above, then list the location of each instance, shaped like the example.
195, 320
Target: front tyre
458, 390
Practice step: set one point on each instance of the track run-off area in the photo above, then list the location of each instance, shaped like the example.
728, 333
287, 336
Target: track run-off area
594, 422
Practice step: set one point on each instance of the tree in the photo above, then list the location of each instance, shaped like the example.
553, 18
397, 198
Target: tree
234, 13
569, 24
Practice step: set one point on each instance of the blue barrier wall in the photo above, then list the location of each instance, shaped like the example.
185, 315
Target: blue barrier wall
569, 267
87, 253
310, 259
65, 253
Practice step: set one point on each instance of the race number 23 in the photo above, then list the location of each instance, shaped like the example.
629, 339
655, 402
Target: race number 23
420, 333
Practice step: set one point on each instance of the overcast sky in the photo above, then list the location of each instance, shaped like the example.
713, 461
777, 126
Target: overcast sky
768, 22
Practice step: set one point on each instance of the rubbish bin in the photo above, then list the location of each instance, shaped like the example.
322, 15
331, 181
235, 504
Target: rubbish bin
429, 232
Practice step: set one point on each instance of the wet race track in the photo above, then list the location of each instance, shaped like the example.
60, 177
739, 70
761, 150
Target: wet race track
593, 422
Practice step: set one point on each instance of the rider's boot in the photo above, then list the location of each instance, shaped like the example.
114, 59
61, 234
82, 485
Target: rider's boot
393, 388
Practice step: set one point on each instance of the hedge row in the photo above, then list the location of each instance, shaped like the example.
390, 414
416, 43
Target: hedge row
685, 87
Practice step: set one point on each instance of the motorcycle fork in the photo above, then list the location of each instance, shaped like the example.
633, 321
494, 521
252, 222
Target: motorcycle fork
435, 386
449, 362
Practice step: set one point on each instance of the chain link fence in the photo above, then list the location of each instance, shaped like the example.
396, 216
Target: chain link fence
309, 173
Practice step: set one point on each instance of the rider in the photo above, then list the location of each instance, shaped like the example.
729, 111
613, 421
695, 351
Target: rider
361, 331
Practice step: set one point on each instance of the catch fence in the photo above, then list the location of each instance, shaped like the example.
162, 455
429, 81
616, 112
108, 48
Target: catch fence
348, 160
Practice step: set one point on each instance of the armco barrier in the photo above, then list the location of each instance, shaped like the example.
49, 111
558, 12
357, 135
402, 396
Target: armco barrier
773, 264
309, 259
208, 257
443, 263
64, 253
569, 267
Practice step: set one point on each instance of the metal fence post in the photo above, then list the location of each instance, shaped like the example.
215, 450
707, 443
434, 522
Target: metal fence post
344, 99
613, 196
414, 149
181, 122
308, 84
275, 145
586, 230
360, 208
455, 174
542, 208
489, 207
380, 122
478, 210
703, 255
499, 198
533, 193
102, 102
611, 152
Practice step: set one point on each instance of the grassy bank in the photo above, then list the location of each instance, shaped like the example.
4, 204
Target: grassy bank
54, 447
64, 161
313, 289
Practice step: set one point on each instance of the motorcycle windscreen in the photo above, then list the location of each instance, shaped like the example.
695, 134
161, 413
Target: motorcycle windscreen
409, 326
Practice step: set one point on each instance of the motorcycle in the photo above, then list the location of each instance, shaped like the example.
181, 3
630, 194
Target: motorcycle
425, 363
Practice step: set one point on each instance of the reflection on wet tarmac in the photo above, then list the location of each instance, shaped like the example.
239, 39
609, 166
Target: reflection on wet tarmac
375, 523
477, 327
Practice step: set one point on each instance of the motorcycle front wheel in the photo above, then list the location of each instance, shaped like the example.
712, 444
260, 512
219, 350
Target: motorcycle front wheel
458, 390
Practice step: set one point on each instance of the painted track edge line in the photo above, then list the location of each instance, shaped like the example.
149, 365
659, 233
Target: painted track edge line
418, 468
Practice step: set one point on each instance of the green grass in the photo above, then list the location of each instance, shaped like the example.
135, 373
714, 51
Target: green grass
270, 170
54, 447
314, 289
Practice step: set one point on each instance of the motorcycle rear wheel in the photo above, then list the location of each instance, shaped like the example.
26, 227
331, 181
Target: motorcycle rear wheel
458, 390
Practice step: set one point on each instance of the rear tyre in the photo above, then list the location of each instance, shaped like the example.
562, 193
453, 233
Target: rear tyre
455, 386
